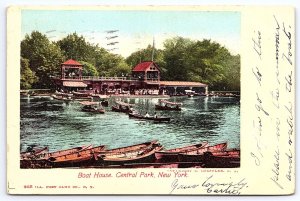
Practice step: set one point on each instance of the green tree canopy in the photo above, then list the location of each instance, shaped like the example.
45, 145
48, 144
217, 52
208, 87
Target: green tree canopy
76, 47
28, 77
109, 64
88, 69
44, 58
202, 61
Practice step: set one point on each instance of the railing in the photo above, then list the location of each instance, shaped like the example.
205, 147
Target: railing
152, 80
96, 78
103, 78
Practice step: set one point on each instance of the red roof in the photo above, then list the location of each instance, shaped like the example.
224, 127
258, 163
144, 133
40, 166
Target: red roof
144, 65
182, 84
72, 62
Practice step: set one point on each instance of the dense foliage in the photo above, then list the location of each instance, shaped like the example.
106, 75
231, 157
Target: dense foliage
181, 59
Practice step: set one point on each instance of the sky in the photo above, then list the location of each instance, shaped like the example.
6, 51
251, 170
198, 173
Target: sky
136, 29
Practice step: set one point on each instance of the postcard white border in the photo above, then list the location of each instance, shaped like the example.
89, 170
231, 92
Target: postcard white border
36, 175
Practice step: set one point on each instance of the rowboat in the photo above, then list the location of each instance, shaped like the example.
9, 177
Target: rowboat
100, 98
145, 165
122, 107
84, 157
172, 154
62, 152
62, 98
145, 155
224, 159
139, 116
167, 105
131, 148
125, 152
197, 154
35, 163
94, 107
32, 152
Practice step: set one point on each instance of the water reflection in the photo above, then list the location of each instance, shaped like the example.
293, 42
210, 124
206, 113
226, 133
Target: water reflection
60, 125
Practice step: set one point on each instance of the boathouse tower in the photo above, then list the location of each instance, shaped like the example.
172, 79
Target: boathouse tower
71, 70
148, 73
71, 74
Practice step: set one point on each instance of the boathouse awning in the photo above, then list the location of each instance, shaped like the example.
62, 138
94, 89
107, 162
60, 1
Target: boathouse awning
182, 84
74, 84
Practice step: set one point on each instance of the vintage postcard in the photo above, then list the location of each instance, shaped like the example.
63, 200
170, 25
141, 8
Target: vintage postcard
173, 100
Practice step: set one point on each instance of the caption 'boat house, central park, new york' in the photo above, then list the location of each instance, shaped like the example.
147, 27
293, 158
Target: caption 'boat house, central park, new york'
144, 76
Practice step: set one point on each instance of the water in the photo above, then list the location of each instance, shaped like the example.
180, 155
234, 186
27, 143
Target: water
59, 125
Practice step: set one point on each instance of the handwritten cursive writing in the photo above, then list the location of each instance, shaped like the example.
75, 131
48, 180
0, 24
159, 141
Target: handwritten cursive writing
176, 186
276, 168
259, 106
277, 34
288, 79
290, 162
275, 97
230, 188
289, 52
290, 123
258, 75
277, 128
257, 44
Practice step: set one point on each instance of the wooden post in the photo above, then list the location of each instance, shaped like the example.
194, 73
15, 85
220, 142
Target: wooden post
206, 90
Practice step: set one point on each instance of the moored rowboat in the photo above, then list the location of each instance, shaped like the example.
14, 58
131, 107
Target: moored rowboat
167, 105
225, 159
123, 154
62, 152
159, 119
131, 148
122, 107
84, 157
172, 154
146, 155
197, 155
89, 106
118, 109
33, 152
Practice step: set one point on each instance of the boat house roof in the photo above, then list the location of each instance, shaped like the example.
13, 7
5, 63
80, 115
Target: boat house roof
72, 62
143, 66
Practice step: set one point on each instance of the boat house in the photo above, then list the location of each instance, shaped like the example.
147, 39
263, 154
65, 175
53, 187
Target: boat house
145, 75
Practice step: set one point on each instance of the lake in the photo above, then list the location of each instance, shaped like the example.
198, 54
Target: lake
61, 125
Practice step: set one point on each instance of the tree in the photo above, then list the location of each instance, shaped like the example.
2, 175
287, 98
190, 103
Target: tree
109, 64
75, 47
176, 59
145, 55
44, 58
232, 74
28, 77
88, 69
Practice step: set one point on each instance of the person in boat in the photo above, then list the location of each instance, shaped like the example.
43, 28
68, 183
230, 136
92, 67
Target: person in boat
177, 106
147, 115
155, 115
131, 110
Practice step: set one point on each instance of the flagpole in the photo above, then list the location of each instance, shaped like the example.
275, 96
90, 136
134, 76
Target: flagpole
152, 58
